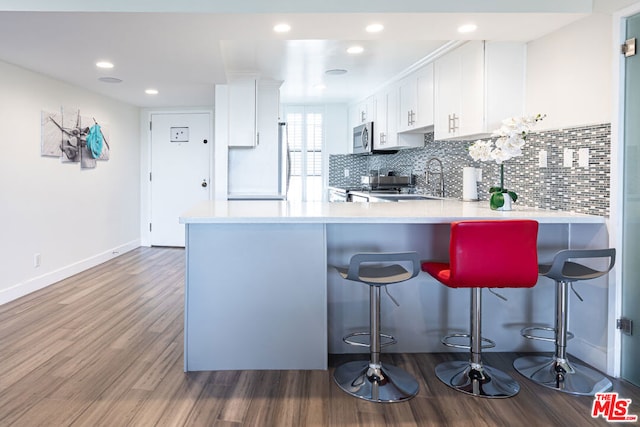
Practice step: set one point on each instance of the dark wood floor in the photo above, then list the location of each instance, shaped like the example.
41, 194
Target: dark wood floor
105, 348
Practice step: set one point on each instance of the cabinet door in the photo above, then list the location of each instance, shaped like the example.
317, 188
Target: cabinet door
447, 94
367, 110
424, 97
380, 126
385, 127
407, 101
391, 137
472, 87
243, 113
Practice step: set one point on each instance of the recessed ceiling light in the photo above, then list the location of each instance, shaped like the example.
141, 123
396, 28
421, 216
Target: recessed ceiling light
467, 28
374, 28
336, 72
355, 50
104, 64
282, 28
110, 80
151, 91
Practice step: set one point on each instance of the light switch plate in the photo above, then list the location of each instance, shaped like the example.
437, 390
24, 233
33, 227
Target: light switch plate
567, 157
583, 157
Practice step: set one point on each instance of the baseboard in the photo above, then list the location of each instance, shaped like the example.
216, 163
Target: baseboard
589, 353
36, 283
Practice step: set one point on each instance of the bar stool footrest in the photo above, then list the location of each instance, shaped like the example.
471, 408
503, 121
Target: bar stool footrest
527, 333
390, 340
446, 340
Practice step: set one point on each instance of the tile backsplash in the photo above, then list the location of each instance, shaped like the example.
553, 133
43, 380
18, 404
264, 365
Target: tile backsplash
556, 187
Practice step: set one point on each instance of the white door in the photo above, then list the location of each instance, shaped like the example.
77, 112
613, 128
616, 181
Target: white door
180, 171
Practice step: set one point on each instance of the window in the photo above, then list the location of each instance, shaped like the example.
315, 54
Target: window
305, 133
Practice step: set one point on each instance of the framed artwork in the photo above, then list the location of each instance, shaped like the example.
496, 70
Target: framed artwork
73, 138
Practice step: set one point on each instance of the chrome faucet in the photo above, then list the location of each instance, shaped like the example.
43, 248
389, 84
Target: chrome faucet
435, 169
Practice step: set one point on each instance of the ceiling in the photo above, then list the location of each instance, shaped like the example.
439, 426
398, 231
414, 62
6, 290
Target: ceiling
183, 55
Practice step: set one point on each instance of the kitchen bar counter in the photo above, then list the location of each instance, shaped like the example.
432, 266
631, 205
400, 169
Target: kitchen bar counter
261, 292
417, 212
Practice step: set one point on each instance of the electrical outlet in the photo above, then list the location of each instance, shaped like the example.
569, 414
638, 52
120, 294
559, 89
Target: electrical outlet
346, 173
36, 260
478, 175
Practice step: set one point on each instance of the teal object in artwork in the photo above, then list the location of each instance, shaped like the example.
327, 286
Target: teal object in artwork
95, 141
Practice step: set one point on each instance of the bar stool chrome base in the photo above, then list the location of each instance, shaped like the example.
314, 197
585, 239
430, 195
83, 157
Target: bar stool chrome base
481, 381
375, 383
562, 375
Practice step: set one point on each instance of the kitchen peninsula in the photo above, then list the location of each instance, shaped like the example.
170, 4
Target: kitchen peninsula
261, 292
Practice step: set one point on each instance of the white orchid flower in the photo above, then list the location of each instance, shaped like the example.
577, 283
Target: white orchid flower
481, 150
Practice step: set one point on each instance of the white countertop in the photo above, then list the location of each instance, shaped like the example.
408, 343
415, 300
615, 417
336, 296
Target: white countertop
414, 212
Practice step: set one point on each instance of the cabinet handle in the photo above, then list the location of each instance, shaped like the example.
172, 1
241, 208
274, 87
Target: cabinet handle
413, 117
409, 118
453, 125
363, 116
257, 138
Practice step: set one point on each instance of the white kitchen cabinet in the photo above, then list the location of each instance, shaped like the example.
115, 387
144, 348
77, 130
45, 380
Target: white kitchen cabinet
416, 101
476, 87
385, 127
243, 112
362, 112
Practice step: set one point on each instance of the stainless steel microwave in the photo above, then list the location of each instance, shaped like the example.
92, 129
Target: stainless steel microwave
363, 138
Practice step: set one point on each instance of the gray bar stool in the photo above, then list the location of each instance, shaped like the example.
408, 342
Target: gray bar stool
557, 372
371, 380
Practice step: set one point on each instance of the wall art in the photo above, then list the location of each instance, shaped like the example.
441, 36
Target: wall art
73, 138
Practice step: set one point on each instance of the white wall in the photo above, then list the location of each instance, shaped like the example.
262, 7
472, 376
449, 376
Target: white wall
73, 218
569, 74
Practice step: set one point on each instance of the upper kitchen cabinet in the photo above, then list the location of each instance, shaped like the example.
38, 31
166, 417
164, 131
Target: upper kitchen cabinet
477, 86
385, 128
362, 112
416, 106
243, 111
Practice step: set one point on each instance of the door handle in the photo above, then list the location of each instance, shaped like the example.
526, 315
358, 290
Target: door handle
204, 183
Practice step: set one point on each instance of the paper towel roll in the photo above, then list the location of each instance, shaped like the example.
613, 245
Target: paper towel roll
469, 184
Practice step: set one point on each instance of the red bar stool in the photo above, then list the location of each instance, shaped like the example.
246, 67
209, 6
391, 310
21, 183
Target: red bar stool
556, 371
371, 380
485, 254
